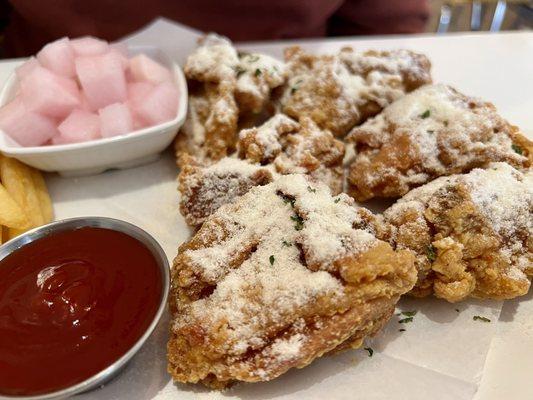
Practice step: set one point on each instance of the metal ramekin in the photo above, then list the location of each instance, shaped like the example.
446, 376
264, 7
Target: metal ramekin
116, 225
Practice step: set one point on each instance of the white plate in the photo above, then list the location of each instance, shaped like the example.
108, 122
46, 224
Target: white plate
96, 156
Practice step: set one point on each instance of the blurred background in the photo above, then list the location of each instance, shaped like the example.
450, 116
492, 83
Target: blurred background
26, 25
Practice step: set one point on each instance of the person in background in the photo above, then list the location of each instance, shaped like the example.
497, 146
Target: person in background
30, 24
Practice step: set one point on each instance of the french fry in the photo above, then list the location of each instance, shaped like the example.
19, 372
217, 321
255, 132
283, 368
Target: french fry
18, 181
11, 214
43, 195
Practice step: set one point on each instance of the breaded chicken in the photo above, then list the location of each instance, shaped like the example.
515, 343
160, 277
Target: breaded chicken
225, 87
279, 277
431, 132
204, 188
472, 233
295, 148
280, 146
342, 90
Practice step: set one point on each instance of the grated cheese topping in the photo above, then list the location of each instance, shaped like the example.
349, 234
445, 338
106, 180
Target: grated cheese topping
205, 189
279, 220
502, 195
348, 82
447, 132
214, 60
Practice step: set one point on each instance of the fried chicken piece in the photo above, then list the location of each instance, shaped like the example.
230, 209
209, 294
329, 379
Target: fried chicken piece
279, 277
225, 88
295, 148
205, 188
257, 76
342, 90
280, 146
472, 233
211, 124
430, 132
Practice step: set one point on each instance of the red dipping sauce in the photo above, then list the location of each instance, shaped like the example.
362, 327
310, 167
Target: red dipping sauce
71, 304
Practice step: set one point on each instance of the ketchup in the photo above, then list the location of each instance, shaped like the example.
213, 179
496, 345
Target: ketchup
71, 304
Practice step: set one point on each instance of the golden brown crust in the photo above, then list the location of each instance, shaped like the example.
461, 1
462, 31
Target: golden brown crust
205, 188
279, 277
227, 90
431, 132
471, 234
340, 91
280, 146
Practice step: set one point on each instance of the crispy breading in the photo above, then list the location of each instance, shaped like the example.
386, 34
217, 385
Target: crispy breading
226, 88
472, 233
279, 277
280, 146
204, 188
342, 90
431, 132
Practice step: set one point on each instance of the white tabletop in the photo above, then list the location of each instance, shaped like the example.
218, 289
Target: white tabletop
445, 363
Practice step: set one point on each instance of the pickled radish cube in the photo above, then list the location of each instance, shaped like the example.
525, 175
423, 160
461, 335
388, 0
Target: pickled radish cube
80, 126
138, 122
58, 57
25, 127
89, 46
102, 79
160, 105
124, 62
115, 119
121, 50
59, 140
24, 70
49, 94
84, 104
143, 68
137, 93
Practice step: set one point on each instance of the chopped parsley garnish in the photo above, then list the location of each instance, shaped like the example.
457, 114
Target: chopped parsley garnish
299, 225
296, 85
431, 132
252, 57
239, 70
286, 244
312, 190
370, 351
257, 72
289, 200
336, 200
405, 320
480, 318
271, 259
401, 330
445, 123
425, 114
431, 253
409, 313
517, 149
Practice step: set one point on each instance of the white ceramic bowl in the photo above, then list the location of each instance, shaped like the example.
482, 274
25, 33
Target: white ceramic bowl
96, 156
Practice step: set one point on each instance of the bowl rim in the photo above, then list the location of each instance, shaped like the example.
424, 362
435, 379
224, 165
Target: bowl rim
106, 223
132, 136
